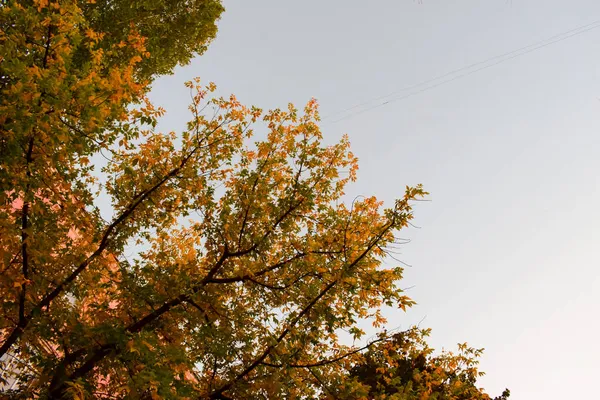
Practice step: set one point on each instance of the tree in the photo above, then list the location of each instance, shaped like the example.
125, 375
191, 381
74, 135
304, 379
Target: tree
55, 111
229, 305
248, 261
404, 367
68, 72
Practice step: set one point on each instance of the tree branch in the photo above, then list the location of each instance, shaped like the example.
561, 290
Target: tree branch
48, 298
327, 361
262, 272
260, 359
23, 319
103, 351
24, 236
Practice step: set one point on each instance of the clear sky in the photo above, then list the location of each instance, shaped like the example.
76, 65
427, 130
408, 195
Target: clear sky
507, 257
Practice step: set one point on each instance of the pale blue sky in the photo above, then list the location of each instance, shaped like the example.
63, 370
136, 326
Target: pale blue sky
508, 254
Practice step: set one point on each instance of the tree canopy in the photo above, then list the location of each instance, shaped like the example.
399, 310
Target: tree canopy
175, 30
248, 262
404, 367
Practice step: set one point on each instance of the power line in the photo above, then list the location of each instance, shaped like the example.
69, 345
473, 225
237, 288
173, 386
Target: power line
462, 69
501, 58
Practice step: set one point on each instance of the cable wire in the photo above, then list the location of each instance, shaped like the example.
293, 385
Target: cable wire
501, 58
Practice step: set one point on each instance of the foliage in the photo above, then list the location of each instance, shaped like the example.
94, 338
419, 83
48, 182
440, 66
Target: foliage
74, 66
248, 260
176, 30
233, 301
404, 367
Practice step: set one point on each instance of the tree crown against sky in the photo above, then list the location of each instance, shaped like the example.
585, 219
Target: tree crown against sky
251, 261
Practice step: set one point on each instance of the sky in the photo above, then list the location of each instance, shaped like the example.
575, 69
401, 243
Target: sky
507, 254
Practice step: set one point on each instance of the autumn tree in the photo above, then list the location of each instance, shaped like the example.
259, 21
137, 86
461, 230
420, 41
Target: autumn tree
68, 71
239, 301
269, 260
403, 367
248, 262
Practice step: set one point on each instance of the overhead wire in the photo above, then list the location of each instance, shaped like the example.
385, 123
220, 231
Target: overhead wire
469, 68
414, 86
